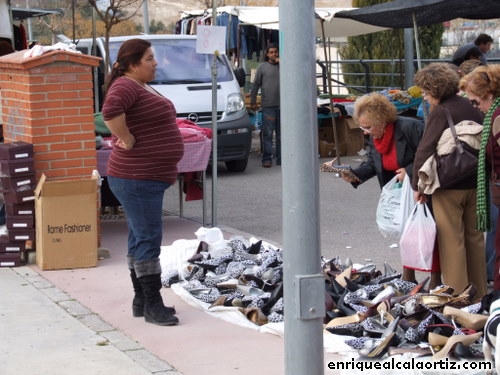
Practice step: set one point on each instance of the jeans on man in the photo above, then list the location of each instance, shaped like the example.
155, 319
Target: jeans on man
270, 124
142, 201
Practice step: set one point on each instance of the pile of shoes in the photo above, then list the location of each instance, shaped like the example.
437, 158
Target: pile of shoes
380, 314
376, 312
248, 277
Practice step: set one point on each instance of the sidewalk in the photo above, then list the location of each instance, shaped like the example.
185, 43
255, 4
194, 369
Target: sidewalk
80, 322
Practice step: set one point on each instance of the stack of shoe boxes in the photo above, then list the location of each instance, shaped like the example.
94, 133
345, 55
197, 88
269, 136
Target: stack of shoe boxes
17, 175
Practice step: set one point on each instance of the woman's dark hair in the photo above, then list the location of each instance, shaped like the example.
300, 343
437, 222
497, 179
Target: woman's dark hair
130, 53
438, 79
5, 47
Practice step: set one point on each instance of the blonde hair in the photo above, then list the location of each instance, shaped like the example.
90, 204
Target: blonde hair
482, 81
469, 65
377, 107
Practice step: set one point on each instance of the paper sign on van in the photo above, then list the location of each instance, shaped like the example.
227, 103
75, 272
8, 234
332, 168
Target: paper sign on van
210, 39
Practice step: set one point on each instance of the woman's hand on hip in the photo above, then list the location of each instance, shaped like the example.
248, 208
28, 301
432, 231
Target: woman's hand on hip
127, 144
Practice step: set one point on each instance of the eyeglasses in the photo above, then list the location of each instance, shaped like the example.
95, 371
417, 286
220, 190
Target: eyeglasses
475, 102
366, 129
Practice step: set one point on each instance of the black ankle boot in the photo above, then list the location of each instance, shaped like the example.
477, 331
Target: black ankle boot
154, 309
138, 302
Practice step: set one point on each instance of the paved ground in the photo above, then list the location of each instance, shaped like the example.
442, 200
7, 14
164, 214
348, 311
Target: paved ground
79, 321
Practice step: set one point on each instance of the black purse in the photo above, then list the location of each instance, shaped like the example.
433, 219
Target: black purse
458, 165
495, 182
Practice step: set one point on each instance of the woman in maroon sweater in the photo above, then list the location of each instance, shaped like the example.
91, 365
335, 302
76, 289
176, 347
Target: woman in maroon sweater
142, 165
482, 87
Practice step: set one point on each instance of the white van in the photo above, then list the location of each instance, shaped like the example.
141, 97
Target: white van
185, 77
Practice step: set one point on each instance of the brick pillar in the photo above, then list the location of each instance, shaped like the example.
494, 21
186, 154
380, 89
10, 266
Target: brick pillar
48, 101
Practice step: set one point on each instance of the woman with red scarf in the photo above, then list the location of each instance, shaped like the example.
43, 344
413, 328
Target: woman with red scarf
393, 141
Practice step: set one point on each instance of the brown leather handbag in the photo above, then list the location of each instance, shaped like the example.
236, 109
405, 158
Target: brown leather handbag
458, 165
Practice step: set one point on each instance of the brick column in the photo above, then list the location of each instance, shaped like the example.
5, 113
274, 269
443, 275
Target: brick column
48, 101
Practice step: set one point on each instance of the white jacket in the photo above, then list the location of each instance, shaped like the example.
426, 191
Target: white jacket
468, 132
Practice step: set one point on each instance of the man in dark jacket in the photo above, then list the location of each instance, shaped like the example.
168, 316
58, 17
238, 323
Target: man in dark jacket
477, 49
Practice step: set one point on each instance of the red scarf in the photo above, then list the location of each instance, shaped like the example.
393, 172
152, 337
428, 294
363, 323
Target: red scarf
386, 146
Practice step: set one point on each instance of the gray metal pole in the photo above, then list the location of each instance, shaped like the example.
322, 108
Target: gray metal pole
409, 67
145, 17
304, 284
214, 125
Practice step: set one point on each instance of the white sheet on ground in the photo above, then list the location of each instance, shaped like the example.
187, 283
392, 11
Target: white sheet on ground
175, 257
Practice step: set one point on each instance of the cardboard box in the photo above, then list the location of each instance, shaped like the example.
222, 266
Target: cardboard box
326, 149
325, 133
350, 134
66, 223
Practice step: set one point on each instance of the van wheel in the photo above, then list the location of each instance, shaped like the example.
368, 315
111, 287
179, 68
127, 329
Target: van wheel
236, 165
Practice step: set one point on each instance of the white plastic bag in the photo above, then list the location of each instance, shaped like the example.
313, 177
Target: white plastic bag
417, 241
394, 207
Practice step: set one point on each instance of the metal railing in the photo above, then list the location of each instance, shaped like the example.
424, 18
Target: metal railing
396, 75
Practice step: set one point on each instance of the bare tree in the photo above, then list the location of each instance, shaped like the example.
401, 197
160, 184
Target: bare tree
56, 23
207, 4
112, 12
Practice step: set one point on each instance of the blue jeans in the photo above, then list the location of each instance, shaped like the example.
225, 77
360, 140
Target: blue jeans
270, 124
142, 201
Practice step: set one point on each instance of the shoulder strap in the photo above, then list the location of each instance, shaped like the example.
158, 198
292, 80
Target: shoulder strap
452, 129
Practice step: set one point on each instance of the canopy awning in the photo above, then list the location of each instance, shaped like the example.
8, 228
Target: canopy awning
407, 13
268, 18
22, 13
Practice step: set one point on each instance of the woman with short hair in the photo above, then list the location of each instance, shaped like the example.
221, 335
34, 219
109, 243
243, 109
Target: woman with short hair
461, 246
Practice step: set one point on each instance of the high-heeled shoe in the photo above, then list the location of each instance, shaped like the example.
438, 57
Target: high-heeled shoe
436, 340
388, 337
255, 248
442, 289
343, 306
380, 349
385, 294
414, 351
354, 318
345, 274
420, 286
466, 297
255, 315
349, 329
276, 294
351, 285
465, 319
454, 340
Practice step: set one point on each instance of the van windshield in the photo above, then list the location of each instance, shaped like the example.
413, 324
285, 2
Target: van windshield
178, 62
